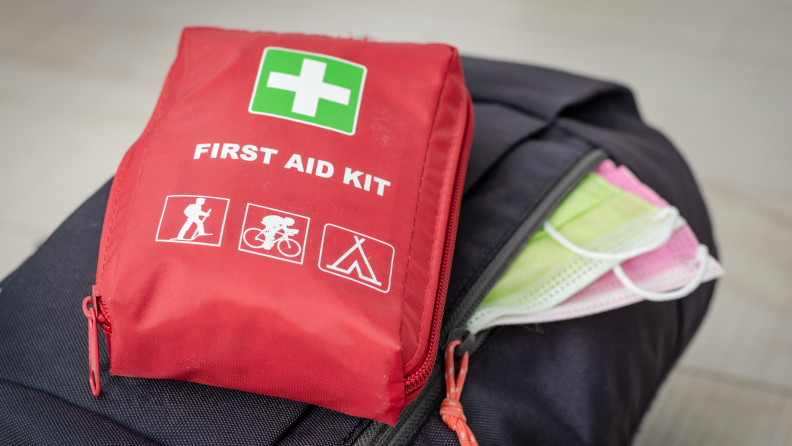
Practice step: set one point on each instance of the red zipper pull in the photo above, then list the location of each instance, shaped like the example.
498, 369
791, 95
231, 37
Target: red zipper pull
93, 342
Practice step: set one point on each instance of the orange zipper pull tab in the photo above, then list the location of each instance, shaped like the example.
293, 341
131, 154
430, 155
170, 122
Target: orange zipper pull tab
451, 409
93, 343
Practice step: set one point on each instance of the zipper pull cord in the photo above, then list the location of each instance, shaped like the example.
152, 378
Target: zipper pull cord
93, 343
451, 409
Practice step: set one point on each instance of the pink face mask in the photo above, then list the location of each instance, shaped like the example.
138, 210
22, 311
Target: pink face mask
676, 265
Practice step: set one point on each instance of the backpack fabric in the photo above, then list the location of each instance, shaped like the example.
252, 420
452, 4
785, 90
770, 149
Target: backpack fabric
579, 382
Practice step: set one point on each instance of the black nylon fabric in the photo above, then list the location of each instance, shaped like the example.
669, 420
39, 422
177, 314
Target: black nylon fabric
498, 129
586, 381
38, 418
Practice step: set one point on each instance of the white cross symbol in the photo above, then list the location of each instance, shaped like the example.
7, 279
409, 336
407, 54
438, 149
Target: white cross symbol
308, 87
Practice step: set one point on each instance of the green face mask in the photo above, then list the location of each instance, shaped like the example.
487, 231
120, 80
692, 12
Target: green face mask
597, 216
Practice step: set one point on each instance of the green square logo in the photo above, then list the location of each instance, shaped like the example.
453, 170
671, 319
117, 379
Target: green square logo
311, 88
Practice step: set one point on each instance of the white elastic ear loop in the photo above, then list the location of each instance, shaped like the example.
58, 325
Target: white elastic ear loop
702, 255
622, 256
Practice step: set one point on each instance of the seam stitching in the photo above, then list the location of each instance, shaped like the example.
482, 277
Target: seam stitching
415, 215
167, 94
459, 131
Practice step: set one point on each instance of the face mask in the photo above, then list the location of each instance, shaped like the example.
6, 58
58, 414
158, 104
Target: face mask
608, 293
599, 220
671, 271
624, 179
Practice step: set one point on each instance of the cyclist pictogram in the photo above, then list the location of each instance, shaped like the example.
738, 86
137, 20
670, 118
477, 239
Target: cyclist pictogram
274, 233
190, 219
356, 257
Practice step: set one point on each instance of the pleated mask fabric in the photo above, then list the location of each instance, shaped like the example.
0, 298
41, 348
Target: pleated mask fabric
598, 216
671, 266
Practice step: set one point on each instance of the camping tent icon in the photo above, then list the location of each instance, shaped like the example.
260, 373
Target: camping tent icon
355, 265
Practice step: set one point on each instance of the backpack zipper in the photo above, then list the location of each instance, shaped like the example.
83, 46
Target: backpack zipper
381, 434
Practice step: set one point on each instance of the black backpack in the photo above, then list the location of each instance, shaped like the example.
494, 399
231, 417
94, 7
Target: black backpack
579, 382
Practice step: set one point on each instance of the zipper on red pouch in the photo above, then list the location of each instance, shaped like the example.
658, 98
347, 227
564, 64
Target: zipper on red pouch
415, 381
92, 311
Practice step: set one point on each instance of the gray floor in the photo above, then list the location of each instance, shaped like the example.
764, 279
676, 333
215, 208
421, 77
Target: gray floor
78, 80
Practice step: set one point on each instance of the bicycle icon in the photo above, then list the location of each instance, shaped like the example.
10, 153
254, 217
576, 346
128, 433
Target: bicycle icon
276, 232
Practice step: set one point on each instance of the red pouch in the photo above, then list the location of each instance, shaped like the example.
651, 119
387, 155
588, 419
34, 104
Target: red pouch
286, 222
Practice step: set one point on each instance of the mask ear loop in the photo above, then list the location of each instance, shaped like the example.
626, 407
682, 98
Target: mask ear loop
620, 257
702, 256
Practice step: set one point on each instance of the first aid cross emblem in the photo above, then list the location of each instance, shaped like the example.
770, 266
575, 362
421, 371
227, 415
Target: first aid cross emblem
311, 88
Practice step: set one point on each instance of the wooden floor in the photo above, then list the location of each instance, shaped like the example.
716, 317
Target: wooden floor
78, 80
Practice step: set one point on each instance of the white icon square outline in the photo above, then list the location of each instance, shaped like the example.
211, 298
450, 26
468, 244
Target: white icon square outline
222, 228
348, 277
305, 239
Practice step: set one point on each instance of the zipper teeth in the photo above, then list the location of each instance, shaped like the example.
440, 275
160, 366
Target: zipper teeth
478, 291
104, 311
422, 374
419, 377
585, 165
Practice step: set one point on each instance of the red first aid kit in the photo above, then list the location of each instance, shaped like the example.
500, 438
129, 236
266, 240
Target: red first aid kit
285, 223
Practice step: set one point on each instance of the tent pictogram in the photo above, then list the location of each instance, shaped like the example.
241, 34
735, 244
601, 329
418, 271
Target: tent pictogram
356, 257
355, 266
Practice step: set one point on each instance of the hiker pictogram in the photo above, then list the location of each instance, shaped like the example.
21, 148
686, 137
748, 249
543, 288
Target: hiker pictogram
274, 233
195, 216
192, 219
356, 257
